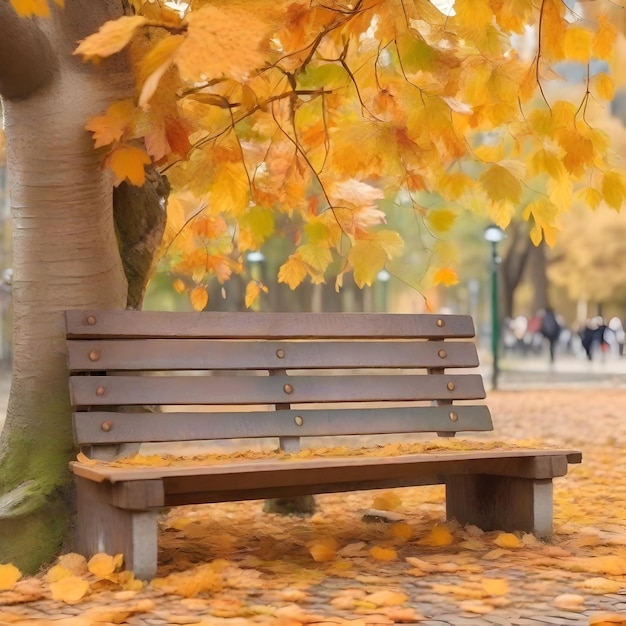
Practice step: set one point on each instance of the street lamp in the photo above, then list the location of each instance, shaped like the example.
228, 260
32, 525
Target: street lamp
494, 235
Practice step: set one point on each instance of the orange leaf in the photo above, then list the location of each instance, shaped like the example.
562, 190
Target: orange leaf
110, 38
199, 298
446, 276
508, 540
324, 549
383, 554
438, 536
110, 127
293, 271
27, 8
127, 162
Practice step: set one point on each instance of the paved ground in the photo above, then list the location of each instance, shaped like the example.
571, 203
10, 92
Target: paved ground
269, 577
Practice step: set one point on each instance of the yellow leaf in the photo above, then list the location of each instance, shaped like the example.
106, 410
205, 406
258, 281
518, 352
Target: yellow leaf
577, 44
500, 184
545, 161
387, 501
383, 554
81, 457
110, 127
127, 162
70, 589
600, 585
103, 565
446, 276
441, 220
473, 13
367, 259
508, 540
110, 38
292, 271
27, 8
602, 86
199, 298
231, 189
604, 38
590, 196
9, 575
438, 536
495, 586
57, 572
613, 190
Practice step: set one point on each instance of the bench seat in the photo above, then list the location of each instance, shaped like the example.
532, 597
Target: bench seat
239, 376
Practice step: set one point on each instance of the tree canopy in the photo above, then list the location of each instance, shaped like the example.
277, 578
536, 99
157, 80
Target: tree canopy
299, 117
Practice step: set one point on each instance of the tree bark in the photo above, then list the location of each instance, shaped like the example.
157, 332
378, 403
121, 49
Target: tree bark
65, 256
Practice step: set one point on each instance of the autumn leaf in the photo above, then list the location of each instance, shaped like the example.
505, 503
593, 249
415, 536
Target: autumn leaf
508, 540
577, 44
383, 554
110, 38
324, 549
602, 85
128, 162
441, 220
500, 184
103, 565
437, 537
446, 276
110, 127
293, 271
9, 575
28, 8
221, 41
199, 298
69, 589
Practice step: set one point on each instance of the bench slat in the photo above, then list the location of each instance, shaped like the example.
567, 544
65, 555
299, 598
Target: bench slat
124, 390
264, 325
161, 427
470, 462
190, 354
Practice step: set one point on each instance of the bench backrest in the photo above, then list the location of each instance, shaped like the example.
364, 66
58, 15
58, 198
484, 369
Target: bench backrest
285, 375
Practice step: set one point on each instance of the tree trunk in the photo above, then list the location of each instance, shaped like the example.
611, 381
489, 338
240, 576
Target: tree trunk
65, 256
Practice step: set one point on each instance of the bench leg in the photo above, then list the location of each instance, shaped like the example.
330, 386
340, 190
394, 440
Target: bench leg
501, 503
103, 527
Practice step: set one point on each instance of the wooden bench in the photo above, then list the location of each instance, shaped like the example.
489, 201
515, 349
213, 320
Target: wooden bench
219, 376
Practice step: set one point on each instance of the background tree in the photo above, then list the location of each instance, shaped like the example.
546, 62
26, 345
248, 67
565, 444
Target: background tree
267, 117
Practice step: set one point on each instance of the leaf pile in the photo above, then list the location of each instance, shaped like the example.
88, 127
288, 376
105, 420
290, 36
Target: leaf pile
230, 564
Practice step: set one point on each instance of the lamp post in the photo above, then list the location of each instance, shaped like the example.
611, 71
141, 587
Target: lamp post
494, 235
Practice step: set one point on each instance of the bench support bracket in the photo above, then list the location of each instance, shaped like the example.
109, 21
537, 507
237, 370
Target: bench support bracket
501, 503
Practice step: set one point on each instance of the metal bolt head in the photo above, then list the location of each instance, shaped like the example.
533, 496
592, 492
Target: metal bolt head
287, 388
453, 416
298, 420
280, 353
451, 386
106, 426
442, 354
91, 320
441, 323
100, 391
94, 355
